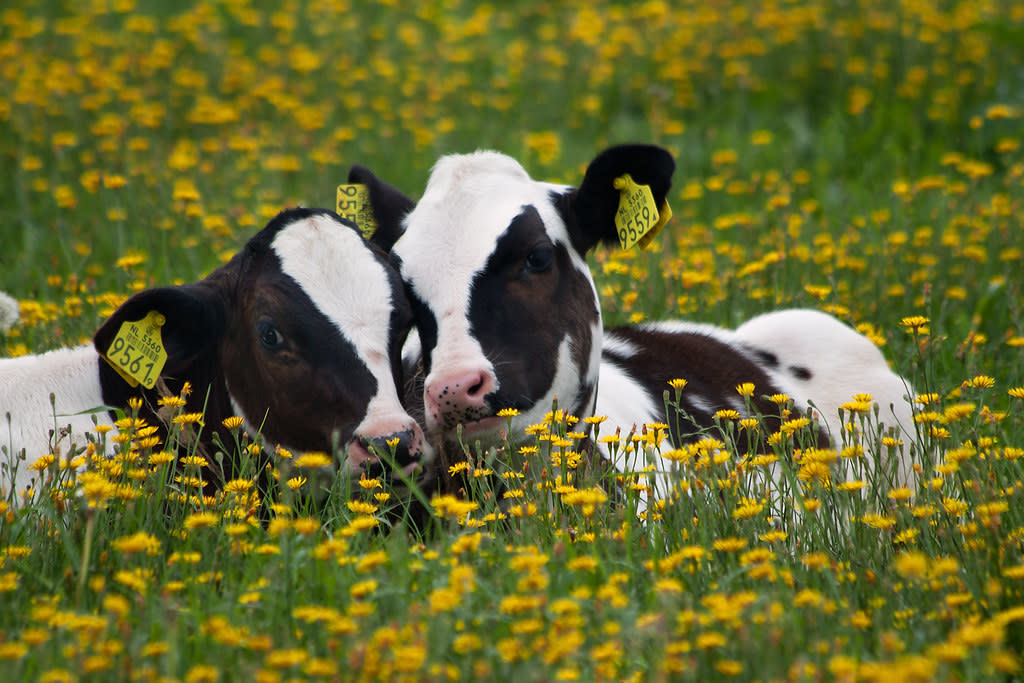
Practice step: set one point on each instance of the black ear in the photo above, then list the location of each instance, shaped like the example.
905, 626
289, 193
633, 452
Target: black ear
589, 210
389, 204
195, 322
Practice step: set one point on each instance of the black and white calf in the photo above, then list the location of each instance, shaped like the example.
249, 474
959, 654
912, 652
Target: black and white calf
300, 334
509, 317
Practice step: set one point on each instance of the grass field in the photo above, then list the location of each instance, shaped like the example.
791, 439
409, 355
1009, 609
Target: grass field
859, 157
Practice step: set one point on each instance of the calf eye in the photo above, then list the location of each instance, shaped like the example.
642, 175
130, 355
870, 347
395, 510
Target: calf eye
270, 336
540, 259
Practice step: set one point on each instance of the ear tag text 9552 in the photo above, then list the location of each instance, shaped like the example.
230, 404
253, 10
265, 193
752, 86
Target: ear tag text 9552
354, 204
638, 219
137, 351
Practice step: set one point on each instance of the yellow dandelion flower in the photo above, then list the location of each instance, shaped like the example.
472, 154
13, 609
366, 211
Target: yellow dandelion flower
729, 545
745, 389
313, 460
362, 507
238, 486
200, 520
232, 422
140, 542
980, 382
917, 324
362, 589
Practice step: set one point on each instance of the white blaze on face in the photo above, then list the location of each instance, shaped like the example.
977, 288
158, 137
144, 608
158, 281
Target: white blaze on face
337, 271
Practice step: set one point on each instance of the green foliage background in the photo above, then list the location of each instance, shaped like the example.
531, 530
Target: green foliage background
861, 157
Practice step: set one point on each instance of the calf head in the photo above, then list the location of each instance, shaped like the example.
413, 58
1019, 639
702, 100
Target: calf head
494, 263
299, 333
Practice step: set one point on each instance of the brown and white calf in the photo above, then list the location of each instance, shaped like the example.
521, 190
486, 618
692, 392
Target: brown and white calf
508, 316
300, 334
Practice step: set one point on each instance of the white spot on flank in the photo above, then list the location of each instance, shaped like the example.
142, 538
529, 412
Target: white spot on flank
72, 376
619, 346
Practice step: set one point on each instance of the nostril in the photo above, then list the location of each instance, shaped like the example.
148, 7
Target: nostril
481, 387
398, 445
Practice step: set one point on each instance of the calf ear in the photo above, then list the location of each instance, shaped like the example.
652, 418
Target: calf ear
194, 322
589, 210
389, 206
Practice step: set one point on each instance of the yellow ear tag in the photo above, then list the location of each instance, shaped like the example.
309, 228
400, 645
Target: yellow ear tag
637, 214
354, 204
137, 352
666, 216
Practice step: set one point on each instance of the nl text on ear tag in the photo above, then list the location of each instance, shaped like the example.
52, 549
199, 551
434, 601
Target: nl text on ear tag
637, 214
354, 204
137, 352
666, 216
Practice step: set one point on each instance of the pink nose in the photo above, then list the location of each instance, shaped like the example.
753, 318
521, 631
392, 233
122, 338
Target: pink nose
458, 396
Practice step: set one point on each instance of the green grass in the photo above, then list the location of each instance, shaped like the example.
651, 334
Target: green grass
863, 158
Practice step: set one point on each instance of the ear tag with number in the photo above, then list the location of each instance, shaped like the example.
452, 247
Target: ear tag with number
354, 204
666, 215
638, 214
137, 351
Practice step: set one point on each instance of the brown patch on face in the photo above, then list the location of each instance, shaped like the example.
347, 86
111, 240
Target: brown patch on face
290, 364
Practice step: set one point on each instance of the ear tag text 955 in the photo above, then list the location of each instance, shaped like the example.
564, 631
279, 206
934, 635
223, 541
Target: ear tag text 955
638, 219
354, 204
137, 351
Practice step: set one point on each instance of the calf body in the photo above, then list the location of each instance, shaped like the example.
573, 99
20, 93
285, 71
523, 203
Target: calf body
508, 315
299, 334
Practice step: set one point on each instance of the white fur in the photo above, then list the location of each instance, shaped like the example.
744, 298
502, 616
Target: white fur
843, 363
625, 403
617, 346
73, 377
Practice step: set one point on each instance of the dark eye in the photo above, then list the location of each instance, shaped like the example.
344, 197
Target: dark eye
540, 259
270, 336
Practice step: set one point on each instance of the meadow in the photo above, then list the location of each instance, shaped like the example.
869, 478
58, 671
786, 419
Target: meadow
861, 157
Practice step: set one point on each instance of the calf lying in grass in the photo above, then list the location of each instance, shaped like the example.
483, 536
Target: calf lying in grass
509, 318
299, 334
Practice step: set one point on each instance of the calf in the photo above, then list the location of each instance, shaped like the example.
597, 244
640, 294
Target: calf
508, 315
299, 334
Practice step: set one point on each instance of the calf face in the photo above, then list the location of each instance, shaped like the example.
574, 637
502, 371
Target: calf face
494, 264
299, 333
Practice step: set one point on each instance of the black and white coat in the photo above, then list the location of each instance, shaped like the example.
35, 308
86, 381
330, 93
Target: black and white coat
508, 316
300, 334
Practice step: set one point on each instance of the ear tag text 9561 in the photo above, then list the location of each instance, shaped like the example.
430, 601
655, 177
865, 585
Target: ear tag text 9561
354, 204
638, 219
137, 351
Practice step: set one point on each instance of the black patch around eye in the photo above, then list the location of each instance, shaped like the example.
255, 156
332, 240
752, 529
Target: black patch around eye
540, 259
270, 336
